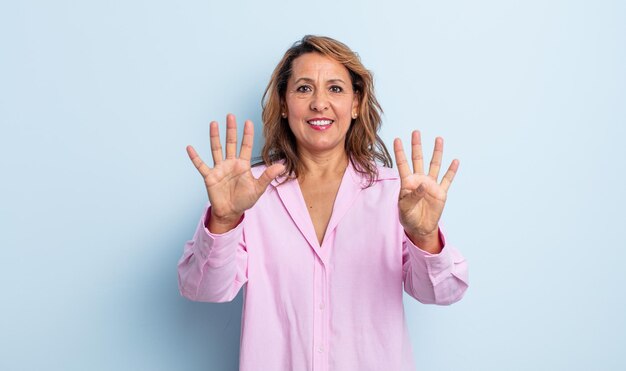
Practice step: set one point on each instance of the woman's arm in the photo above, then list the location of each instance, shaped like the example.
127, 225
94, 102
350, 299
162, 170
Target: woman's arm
433, 273
434, 278
213, 267
214, 263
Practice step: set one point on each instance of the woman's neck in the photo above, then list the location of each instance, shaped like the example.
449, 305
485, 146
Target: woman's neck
322, 165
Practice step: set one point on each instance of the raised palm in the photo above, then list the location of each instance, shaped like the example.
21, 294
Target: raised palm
422, 199
230, 185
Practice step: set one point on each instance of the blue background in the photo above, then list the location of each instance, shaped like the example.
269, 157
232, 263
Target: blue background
98, 100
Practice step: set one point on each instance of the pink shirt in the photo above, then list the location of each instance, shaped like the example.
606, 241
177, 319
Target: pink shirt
337, 306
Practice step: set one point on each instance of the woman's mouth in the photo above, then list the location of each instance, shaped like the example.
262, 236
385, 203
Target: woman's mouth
320, 124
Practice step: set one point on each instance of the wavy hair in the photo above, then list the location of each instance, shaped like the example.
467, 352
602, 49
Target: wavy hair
363, 145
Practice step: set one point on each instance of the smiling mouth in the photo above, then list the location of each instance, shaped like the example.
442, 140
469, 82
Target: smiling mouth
320, 124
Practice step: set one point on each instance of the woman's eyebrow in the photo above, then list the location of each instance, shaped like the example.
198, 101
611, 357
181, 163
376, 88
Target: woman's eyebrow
305, 79
311, 81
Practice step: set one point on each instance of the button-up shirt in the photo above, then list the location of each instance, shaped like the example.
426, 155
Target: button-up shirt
334, 306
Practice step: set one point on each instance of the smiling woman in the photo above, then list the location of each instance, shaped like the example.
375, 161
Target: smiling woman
363, 145
319, 105
324, 235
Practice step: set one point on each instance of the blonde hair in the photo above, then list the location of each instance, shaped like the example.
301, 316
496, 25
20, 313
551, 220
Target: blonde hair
363, 145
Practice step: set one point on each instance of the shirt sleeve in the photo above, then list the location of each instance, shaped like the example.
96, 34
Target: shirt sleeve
213, 267
434, 278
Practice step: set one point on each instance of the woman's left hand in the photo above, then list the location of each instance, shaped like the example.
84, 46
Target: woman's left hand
422, 198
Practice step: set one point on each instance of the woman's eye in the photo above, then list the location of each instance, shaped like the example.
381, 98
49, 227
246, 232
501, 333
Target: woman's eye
336, 89
303, 89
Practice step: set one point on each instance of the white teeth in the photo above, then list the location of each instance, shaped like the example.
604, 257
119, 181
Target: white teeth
320, 122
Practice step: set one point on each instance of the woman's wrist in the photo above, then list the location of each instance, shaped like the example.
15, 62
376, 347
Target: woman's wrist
219, 225
429, 242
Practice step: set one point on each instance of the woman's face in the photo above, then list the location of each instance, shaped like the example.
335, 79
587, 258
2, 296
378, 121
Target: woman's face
320, 103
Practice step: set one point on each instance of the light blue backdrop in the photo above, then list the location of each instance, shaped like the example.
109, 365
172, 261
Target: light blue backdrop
98, 100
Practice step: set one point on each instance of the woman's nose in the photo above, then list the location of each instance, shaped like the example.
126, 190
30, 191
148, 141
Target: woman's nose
319, 101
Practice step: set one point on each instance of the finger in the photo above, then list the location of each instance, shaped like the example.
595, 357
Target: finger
231, 136
403, 165
268, 175
247, 141
449, 175
216, 145
435, 162
416, 153
197, 162
416, 194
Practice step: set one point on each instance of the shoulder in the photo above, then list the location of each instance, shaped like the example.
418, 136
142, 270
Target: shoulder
258, 169
386, 173
383, 191
387, 180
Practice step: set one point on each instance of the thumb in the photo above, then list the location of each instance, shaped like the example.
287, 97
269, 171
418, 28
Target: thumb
268, 175
416, 194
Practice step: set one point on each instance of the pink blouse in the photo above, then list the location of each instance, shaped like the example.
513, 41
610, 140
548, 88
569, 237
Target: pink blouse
337, 306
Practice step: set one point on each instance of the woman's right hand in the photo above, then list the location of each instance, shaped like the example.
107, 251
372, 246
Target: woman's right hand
230, 185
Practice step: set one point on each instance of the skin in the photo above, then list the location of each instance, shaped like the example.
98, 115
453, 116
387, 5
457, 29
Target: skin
422, 198
230, 185
321, 87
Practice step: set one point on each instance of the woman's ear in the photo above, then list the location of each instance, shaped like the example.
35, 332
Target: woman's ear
355, 106
283, 111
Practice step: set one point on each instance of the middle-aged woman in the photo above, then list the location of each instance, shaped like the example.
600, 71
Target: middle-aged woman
324, 234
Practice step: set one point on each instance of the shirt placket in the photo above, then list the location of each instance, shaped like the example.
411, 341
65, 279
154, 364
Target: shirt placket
321, 325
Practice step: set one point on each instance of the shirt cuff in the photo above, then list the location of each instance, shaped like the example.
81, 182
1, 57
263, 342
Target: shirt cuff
217, 249
439, 266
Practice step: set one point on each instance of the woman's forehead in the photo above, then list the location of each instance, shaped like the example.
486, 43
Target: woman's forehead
314, 66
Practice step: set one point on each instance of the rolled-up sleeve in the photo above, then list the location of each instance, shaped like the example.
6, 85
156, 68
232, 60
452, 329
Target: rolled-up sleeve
213, 267
434, 278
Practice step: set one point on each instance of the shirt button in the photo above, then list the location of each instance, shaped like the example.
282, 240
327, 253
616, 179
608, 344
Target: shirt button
320, 349
321, 306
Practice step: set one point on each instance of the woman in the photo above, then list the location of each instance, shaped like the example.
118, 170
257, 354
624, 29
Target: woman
323, 236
